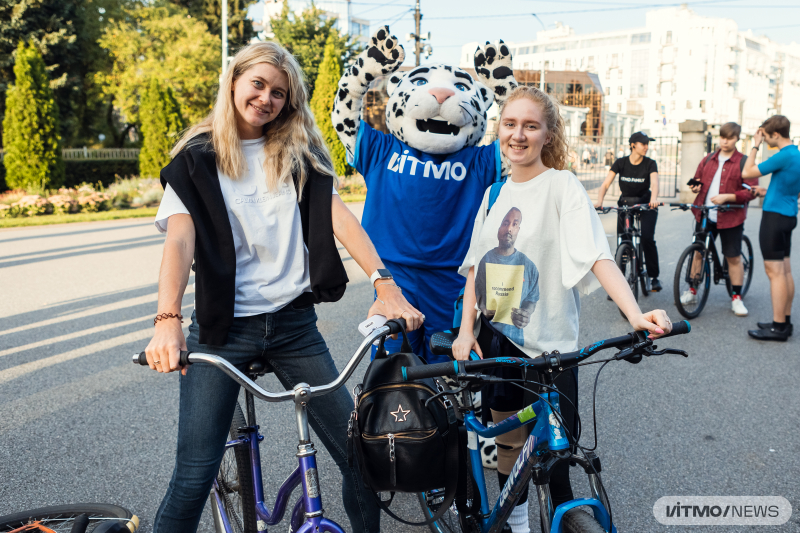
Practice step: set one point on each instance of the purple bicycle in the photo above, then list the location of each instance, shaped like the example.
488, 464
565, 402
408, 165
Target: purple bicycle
237, 496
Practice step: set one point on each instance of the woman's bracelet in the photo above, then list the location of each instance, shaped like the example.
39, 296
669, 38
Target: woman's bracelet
388, 283
164, 316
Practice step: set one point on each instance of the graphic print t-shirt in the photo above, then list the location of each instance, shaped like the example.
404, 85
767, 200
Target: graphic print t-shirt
504, 285
420, 206
634, 180
559, 239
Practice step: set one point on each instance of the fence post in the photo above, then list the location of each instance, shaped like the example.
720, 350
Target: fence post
693, 148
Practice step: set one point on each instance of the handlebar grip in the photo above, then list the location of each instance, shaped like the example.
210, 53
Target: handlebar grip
396, 325
141, 358
679, 328
412, 373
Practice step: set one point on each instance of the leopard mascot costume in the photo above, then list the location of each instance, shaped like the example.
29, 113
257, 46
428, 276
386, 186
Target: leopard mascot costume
427, 178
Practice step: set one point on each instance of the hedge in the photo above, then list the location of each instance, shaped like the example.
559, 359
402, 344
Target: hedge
89, 171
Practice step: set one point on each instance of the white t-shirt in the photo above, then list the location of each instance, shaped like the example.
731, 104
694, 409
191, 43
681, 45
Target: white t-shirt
271, 257
541, 272
713, 190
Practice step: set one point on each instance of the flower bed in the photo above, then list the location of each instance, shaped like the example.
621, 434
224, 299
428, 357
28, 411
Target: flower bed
123, 194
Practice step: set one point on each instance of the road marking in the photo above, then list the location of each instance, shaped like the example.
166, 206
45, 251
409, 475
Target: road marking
83, 333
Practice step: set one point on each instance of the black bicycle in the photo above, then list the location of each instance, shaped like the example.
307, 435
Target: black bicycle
700, 263
629, 256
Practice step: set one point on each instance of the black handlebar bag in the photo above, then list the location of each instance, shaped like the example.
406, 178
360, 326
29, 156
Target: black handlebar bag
405, 434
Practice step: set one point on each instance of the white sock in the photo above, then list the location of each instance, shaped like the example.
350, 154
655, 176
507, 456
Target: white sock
519, 519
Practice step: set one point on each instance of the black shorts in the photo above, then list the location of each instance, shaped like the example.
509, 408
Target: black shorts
775, 236
731, 238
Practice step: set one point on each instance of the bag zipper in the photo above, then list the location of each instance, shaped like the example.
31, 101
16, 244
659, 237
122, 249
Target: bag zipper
392, 464
401, 435
395, 386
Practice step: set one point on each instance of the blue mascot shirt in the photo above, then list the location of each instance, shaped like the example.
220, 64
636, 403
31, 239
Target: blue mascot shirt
420, 207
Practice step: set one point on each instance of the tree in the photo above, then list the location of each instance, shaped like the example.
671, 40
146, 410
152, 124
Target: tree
305, 36
166, 43
161, 120
330, 71
240, 28
32, 143
65, 32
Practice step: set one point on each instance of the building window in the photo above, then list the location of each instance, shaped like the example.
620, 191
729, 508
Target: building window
658, 106
672, 105
669, 37
619, 90
567, 64
640, 38
619, 108
614, 60
703, 106
688, 104
640, 60
619, 74
608, 91
590, 64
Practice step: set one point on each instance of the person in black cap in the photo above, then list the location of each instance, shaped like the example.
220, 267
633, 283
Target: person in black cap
638, 184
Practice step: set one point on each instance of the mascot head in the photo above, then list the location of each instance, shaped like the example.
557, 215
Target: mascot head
437, 109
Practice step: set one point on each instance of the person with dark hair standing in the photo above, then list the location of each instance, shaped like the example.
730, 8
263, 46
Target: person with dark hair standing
778, 219
720, 182
638, 184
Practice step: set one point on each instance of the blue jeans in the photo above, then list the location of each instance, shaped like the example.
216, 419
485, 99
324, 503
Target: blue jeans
295, 349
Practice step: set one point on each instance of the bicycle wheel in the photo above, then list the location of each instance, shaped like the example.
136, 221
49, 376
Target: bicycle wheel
747, 265
689, 305
577, 521
430, 502
626, 261
235, 481
60, 518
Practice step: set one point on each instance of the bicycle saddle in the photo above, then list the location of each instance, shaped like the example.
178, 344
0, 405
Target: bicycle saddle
259, 367
442, 342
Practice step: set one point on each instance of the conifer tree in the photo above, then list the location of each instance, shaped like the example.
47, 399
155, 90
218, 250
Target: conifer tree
161, 119
31, 139
330, 71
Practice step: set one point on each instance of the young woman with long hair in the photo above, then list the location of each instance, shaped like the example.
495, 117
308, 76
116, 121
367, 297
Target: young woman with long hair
539, 246
250, 197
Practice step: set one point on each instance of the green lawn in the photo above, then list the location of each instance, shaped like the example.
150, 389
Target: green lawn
78, 217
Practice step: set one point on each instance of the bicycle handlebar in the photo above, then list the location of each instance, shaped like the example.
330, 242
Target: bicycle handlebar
187, 358
553, 361
707, 207
635, 207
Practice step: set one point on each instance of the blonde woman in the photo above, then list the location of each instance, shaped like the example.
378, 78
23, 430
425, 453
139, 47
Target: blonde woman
530, 257
250, 197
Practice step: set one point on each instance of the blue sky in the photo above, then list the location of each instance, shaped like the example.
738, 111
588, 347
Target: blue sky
778, 19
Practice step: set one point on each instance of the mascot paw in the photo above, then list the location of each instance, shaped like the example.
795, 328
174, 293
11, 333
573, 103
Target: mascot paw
488, 451
384, 54
493, 66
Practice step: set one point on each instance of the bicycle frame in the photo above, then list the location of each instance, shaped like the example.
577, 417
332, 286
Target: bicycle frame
535, 460
632, 232
707, 239
309, 505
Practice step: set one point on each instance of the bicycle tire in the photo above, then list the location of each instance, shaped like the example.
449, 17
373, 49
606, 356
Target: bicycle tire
747, 265
235, 481
577, 521
682, 283
60, 518
448, 523
626, 262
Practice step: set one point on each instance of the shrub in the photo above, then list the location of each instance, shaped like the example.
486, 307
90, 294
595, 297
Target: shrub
161, 123
322, 105
30, 127
104, 171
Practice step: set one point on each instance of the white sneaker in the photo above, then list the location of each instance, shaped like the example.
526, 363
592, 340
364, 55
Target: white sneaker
737, 306
688, 297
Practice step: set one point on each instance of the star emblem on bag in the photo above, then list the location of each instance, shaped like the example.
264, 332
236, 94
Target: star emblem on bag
400, 414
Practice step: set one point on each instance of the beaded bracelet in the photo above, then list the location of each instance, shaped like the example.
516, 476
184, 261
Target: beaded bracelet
164, 316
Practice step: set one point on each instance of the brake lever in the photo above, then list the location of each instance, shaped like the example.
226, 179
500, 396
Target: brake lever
673, 351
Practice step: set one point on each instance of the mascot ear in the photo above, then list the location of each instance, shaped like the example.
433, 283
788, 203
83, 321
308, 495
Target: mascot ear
393, 81
486, 95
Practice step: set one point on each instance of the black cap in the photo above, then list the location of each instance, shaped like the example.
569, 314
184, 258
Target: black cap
640, 137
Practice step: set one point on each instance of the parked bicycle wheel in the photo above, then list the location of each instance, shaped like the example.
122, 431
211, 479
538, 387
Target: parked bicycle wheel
626, 261
747, 264
235, 480
61, 518
577, 521
691, 287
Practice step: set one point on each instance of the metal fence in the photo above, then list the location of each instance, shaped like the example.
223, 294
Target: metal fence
590, 158
84, 153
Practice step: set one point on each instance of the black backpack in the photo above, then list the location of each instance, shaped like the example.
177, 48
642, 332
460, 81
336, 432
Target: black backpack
405, 434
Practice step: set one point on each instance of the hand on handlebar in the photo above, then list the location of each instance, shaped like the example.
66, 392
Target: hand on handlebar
392, 304
656, 322
654, 204
465, 343
165, 347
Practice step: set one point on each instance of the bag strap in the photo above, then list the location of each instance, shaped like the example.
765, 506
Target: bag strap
494, 192
404, 348
452, 460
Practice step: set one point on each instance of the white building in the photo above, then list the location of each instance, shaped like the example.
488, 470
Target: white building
264, 10
679, 66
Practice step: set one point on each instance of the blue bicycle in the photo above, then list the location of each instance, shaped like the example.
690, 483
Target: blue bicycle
549, 443
237, 495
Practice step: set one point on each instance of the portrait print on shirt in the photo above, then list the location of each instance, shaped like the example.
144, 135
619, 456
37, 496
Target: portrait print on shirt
507, 282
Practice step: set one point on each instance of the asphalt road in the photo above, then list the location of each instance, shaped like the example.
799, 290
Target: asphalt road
79, 422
